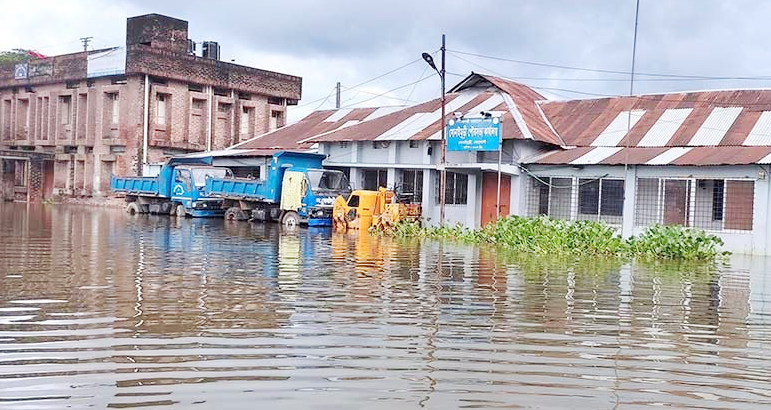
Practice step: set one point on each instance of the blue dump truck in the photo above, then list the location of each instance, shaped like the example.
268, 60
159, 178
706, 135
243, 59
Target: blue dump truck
177, 190
288, 187
258, 185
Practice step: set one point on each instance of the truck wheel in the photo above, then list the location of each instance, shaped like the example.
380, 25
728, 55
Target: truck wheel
235, 214
133, 208
290, 219
180, 211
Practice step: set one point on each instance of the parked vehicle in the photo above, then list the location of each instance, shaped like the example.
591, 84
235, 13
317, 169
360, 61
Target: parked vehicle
293, 190
177, 190
380, 209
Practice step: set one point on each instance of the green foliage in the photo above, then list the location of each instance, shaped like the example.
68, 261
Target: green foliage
543, 235
16, 55
675, 242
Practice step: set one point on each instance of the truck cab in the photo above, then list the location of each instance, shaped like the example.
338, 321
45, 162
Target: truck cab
186, 189
308, 195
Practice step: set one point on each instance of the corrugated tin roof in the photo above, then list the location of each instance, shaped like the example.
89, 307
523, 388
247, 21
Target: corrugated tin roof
522, 118
704, 118
294, 136
697, 156
715, 126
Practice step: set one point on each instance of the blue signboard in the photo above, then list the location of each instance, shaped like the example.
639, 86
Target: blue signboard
474, 134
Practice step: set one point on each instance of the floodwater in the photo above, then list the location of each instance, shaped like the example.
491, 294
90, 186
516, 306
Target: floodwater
99, 309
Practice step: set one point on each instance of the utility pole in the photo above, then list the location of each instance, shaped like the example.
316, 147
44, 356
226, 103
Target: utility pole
85, 41
443, 175
443, 163
337, 94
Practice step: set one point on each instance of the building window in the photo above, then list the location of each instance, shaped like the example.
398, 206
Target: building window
611, 197
414, 144
160, 108
113, 100
601, 197
343, 144
588, 196
412, 185
375, 178
455, 190
65, 109
709, 204
198, 104
276, 100
246, 115
276, 120
718, 187
223, 108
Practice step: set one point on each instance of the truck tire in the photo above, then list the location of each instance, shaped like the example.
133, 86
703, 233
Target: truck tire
132, 208
180, 211
290, 219
236, 214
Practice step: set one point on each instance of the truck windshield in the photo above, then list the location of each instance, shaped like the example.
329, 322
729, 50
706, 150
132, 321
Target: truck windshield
200, 174
327, 181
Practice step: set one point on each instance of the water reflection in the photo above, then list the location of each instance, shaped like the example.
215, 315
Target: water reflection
101, 309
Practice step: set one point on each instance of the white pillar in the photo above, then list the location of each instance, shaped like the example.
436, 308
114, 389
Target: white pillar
471, 201
427, 201
630, 196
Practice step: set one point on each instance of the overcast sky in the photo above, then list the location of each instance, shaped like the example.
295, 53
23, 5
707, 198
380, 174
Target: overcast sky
355, 41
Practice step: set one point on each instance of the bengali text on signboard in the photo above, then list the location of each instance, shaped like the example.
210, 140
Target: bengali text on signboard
474, 134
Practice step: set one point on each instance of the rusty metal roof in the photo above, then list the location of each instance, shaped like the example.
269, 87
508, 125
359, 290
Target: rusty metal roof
295, 136
699, 156
521, 115
707, 118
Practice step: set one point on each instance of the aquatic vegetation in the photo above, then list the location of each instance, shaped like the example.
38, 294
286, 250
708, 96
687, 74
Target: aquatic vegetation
543, 235
675, 242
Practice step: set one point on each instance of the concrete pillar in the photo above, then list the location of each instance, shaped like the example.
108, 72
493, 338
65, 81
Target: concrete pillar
427, 201
355, 178
630, 196
761, 220
391, 177
471, 201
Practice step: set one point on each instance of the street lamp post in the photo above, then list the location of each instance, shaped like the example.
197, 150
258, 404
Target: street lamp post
443, 164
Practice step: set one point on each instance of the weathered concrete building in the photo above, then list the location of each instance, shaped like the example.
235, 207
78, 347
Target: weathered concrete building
118, 110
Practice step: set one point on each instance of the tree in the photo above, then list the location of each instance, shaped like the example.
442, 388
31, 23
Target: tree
17, 55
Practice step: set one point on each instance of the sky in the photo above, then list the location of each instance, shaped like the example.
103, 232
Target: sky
563, 49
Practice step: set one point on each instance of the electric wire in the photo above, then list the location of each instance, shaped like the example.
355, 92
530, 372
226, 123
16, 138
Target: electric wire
596, 70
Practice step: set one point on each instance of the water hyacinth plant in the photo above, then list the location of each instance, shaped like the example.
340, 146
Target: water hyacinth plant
543, 235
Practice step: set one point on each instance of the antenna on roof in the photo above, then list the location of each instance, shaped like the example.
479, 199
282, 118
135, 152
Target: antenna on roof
85, 41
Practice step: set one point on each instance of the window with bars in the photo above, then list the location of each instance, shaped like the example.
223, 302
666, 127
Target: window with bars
709, 204
412, 184
455, 190
594, 199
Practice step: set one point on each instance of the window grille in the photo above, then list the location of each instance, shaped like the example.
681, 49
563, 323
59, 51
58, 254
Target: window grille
593, 199
455, 190
709, 204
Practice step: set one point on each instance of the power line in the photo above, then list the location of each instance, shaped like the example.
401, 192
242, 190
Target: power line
391, 90
596, 70
379, 95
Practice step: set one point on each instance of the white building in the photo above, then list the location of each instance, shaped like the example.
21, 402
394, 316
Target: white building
698, 159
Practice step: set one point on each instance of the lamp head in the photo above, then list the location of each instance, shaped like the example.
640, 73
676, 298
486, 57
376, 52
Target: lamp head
430, 60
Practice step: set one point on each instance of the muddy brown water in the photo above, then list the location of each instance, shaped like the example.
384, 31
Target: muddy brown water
99, 309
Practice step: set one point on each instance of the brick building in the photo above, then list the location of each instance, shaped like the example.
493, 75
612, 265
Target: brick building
118, 110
